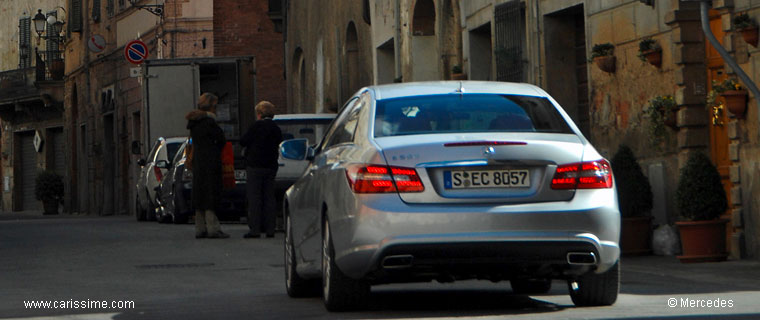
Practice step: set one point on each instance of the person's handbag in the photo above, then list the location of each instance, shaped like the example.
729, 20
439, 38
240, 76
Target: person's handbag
228, 166
189, 155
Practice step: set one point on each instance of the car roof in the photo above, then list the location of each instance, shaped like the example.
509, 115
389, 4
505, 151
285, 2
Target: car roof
410, 89
305, 116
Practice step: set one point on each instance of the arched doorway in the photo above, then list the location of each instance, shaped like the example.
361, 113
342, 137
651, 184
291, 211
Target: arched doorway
425, 56
298, 72
351, 57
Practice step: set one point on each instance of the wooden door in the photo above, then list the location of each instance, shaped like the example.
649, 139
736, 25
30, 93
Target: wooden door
718, 116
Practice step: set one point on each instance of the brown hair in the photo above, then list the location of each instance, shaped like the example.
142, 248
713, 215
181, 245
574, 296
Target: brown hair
207, 101
265, 109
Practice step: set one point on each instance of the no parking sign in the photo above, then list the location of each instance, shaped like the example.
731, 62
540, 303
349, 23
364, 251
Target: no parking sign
135, 51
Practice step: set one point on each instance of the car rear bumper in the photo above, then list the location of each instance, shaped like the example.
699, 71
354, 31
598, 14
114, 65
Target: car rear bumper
526, 239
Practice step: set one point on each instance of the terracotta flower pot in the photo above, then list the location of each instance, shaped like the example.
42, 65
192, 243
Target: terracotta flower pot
736, 102
458, 76
750, 35
605, 63
703, 241
654, 57
635, 235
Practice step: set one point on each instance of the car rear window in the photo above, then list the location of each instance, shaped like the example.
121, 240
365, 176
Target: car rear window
310, 129
171, 149
454, 113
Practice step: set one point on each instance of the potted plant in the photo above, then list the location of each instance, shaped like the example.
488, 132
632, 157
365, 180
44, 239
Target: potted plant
701, 200
734, 96
48, 188
635, 201
661, 112
457, 73
748, 28
650, 51
602, 56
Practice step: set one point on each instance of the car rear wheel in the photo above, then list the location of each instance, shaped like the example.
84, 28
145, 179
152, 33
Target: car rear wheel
531, 286
296, 286
339, 292
140, 213
594, 289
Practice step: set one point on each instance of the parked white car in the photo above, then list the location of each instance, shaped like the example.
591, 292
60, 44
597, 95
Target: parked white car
151, 175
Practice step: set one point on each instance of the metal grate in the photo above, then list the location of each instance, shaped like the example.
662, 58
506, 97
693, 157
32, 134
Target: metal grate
509, 19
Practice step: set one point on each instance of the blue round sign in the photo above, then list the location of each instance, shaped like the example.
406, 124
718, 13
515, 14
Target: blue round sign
135, 51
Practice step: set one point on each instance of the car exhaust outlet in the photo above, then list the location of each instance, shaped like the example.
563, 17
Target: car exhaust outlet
581, 258
397, 262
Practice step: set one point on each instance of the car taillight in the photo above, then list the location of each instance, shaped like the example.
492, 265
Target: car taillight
584, 175
159, 175
382, 179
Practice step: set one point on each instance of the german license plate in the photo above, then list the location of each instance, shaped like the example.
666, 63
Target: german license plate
465, 179
240, 175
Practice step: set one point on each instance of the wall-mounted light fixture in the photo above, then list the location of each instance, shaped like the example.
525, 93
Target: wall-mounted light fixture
157, 9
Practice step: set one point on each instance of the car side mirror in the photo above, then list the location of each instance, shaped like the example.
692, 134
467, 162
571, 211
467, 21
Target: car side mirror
294, 149
141, 162
163, 164
136, 147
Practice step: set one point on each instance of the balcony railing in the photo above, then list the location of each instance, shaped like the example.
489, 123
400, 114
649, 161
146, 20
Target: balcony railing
49, 65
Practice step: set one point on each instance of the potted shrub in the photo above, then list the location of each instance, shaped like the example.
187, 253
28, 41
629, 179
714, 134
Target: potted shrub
457, 73
602, 56
661, 112
748, 28
701, 200
635, 201
48, 188
733, 94
650, 51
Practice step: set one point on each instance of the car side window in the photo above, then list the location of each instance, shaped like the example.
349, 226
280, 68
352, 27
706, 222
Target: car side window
180, 154
339, 120
344, 131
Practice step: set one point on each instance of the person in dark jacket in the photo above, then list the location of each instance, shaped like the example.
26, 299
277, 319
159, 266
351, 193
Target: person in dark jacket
261, 141
207, 142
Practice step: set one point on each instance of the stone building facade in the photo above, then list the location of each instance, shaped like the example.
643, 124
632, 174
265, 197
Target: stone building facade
31, 101
549, 43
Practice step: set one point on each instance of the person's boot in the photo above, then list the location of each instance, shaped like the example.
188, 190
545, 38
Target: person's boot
212, 226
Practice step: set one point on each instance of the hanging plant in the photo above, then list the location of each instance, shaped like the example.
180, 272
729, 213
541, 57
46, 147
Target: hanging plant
748, 28
602, 56
650, 51
733, 93
661, 113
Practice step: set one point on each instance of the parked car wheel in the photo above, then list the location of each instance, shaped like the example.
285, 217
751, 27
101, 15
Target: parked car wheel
140, 213
531, 286
296, 286
594, 289
339, 292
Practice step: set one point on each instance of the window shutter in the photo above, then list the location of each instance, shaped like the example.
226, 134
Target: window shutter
25, 42
75, 19
51, 44
96, 10
109, 8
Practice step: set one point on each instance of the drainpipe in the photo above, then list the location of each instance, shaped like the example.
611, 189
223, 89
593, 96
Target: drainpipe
704, 6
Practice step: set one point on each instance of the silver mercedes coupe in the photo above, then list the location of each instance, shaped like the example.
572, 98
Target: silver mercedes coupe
450, 181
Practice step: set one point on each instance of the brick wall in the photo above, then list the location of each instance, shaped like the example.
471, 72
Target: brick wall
243, 27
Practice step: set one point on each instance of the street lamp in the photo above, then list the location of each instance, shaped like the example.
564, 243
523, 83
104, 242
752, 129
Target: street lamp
40, 21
